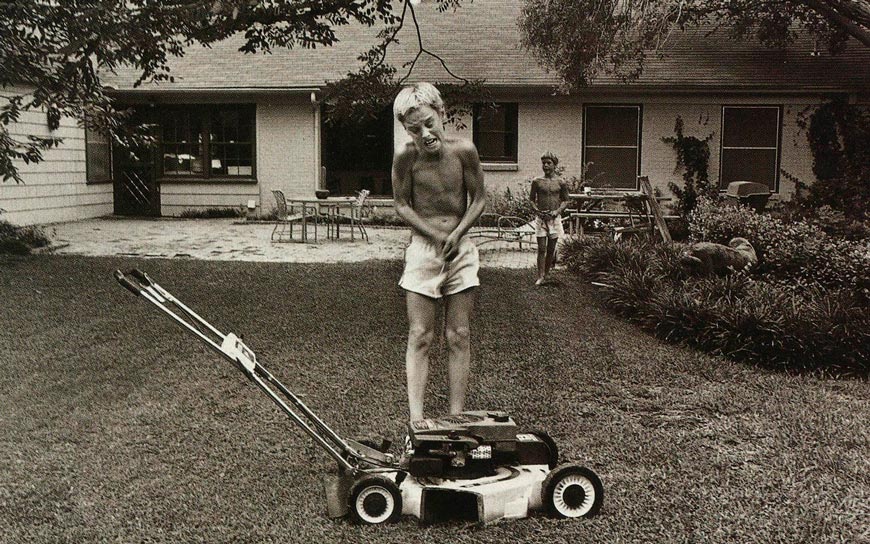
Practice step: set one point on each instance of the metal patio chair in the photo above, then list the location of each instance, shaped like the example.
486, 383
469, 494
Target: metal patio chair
288, 216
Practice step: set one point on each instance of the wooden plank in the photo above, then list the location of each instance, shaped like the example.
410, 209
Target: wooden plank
654, 207
591, 214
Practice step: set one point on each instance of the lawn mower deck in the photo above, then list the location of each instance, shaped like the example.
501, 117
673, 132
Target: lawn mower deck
474, 465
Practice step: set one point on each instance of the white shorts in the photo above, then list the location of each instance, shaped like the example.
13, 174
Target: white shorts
550, 227
427, 273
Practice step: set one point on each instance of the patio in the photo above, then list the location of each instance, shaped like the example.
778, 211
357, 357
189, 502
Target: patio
234, 240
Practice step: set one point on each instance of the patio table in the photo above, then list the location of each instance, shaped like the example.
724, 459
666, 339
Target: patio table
329, 208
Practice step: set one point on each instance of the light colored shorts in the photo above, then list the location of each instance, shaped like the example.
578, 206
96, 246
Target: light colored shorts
551, 227
428, 274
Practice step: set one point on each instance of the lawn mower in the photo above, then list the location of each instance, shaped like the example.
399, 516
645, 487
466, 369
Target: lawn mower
475, 465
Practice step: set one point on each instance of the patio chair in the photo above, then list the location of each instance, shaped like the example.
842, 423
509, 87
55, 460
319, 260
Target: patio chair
354, 217
493, 227
356, 214
288, 216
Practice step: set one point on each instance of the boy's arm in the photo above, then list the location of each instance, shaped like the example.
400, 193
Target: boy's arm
564, 198
472, 173
533, 196
403, 163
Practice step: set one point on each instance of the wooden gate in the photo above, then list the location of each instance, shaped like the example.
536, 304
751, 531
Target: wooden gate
137, 191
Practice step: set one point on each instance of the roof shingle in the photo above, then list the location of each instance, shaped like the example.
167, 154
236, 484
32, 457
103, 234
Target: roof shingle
481, 40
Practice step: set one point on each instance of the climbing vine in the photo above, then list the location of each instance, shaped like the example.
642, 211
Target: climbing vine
693, 158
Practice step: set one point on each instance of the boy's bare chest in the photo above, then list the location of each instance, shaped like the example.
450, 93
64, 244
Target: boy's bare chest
546, 185
440, 176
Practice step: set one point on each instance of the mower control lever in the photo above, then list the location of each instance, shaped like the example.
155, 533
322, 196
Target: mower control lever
135, 289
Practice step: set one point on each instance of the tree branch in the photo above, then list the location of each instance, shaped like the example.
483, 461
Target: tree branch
851, 16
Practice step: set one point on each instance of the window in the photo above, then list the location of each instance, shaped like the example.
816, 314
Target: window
495, 132
611, 145
750, 145
98, 157
208, 141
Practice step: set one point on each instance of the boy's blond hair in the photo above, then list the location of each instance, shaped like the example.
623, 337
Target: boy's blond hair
415, 95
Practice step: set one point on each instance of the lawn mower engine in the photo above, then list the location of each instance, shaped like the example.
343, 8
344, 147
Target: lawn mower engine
474, 445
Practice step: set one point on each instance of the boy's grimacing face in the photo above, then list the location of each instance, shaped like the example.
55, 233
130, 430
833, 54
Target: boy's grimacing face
548, 166
426, 129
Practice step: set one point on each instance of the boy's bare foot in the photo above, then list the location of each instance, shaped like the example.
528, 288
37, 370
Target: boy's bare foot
540, 281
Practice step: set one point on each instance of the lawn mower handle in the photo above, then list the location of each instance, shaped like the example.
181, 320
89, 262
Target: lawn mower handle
231, 347
132, 287
141, 276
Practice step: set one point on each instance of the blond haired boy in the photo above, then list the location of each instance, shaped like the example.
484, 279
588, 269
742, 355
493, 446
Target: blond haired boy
438, 191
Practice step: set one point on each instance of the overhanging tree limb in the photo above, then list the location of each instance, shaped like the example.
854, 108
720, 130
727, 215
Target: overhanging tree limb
853, 16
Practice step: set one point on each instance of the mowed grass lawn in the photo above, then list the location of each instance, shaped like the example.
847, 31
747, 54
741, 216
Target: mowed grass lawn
118, 426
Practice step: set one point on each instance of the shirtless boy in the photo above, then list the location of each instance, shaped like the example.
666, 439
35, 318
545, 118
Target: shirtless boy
438, 191
549, 196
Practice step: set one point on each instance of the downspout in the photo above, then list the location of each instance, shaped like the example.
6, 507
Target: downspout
315, 106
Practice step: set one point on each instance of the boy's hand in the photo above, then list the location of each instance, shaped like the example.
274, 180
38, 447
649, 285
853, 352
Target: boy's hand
450, 248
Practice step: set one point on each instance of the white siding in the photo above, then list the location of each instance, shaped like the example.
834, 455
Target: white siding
54, 189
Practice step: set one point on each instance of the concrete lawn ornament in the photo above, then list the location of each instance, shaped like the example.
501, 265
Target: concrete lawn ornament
707, 258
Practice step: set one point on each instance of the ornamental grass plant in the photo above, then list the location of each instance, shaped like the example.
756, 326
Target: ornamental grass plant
785, 321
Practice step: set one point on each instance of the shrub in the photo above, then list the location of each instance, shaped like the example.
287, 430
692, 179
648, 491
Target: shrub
383, 216
211, 213
509, 202
17, 240
739, 316
798, 252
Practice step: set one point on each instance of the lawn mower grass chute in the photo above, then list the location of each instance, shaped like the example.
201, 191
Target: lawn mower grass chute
475, 465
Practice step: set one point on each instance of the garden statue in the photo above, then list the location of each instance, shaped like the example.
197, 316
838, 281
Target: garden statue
706, 258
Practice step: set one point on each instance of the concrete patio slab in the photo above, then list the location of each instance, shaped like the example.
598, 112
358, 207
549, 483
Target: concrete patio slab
233, 240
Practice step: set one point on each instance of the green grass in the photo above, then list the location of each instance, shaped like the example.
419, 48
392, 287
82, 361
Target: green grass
117, 426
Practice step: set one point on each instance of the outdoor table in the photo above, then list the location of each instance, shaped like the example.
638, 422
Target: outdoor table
329, 208
593, 204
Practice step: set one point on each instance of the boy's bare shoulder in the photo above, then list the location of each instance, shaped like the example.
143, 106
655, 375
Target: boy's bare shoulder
462, 146
406, 154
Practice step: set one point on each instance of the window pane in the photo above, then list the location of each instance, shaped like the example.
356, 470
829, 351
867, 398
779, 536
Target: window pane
613, 168
491, 145
492, 118
758, 165
98, 157
182, 159
495, 132
608, 125
230, 132
750, 127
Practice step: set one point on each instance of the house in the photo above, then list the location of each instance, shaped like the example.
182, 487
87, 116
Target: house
233, 127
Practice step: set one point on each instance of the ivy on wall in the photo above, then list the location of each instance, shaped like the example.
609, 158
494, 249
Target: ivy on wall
693, 159
838, 134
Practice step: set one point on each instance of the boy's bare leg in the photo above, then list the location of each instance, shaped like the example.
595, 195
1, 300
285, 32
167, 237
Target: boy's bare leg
542, 259
551, 254
421, 331
458, 335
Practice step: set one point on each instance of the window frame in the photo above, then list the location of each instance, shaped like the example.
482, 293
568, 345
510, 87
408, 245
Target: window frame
779, 131
88, 172
638, 139
206, 113
512, 120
